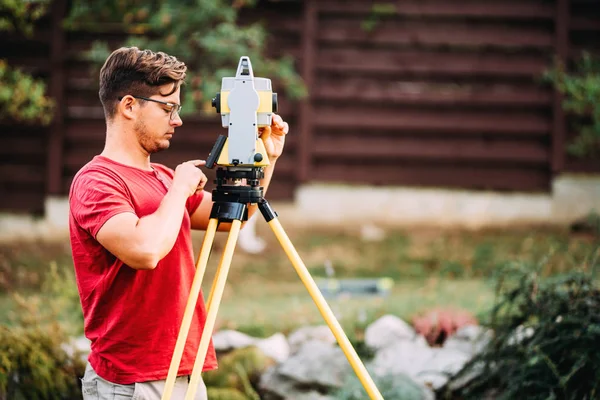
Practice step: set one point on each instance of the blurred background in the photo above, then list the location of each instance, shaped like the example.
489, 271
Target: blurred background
440, 181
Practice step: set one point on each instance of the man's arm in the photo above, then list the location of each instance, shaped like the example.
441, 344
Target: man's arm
273, 138
142, 242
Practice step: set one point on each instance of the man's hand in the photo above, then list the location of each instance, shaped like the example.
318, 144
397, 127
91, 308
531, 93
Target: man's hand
189, 177
274, 136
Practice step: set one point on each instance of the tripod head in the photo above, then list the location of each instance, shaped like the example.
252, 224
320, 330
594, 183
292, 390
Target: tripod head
245, 103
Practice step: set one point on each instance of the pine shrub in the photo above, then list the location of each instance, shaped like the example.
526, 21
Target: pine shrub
547, 331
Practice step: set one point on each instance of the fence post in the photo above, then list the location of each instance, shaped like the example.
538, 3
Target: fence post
309, 28
559, 127
57, 91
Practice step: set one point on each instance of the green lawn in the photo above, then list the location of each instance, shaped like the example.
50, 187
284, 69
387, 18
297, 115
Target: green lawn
263, 295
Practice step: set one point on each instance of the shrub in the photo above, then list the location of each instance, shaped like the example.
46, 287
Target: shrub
239, 369
206, 34
33, 362
546, 335
23, 97
581, 90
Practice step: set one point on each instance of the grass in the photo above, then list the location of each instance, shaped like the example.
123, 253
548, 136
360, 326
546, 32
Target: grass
264, 295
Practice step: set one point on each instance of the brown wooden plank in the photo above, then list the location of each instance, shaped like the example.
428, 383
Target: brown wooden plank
517, 10
559, 120
23, 146
57, 90
419, 33
23, 201
481, 177
309, 50
582, 165
426, 93
585, 23
23, 175
23, 150
36, 66
439, 64
337, 118
442, 149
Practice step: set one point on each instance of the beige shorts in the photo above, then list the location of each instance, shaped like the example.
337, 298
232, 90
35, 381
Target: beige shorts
95, 388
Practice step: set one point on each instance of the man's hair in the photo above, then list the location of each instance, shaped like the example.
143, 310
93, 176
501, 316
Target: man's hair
129, 70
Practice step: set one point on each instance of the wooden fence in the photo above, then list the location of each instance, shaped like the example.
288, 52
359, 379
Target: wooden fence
421, 93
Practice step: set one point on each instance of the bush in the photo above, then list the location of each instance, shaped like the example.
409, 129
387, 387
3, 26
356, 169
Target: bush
240, 370
206, 34
23, 97
547, 332
581, 90
33, 361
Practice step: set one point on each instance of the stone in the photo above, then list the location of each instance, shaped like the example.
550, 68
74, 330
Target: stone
470, 339
302, 335
317, 364
275, 346
386, 331
227, 339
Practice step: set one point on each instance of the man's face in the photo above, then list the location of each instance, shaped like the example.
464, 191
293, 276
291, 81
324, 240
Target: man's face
156, 122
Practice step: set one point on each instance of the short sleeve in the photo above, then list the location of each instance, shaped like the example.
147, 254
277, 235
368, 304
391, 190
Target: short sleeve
96, 197
193, 202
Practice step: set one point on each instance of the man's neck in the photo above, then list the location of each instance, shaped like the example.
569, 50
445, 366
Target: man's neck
122, 146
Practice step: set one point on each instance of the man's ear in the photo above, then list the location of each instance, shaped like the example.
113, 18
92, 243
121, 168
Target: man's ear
126, 107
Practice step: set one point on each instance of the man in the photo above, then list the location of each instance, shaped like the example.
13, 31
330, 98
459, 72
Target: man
130, 223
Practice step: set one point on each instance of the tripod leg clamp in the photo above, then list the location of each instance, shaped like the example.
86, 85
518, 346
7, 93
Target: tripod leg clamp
228, 212
266, 210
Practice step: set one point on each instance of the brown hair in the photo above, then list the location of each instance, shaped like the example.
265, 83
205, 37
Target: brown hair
129, 70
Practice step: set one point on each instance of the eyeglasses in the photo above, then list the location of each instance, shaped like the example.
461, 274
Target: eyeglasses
173, 107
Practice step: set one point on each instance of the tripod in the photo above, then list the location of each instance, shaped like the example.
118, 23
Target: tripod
230, 205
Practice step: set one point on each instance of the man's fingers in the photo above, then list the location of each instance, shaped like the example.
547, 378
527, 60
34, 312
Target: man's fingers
198, 163
266, 132
280, 125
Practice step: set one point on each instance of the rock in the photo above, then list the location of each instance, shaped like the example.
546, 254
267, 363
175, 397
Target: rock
470, 339
274, 386
275, 346
440, 367
302, 335
520, 333
398, 386
386, 331
402, 357
317, 364
226, 340
79, 345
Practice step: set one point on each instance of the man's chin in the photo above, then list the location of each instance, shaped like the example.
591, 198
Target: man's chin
164, 145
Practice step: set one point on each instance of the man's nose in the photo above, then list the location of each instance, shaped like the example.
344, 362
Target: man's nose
177, 121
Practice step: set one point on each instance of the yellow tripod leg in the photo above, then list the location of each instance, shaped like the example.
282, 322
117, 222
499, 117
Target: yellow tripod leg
214, 301
190, 307
326, 312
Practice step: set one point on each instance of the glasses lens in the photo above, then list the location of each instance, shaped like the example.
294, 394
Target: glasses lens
174, 112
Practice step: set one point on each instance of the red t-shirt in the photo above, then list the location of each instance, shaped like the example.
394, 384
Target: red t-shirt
132, 317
